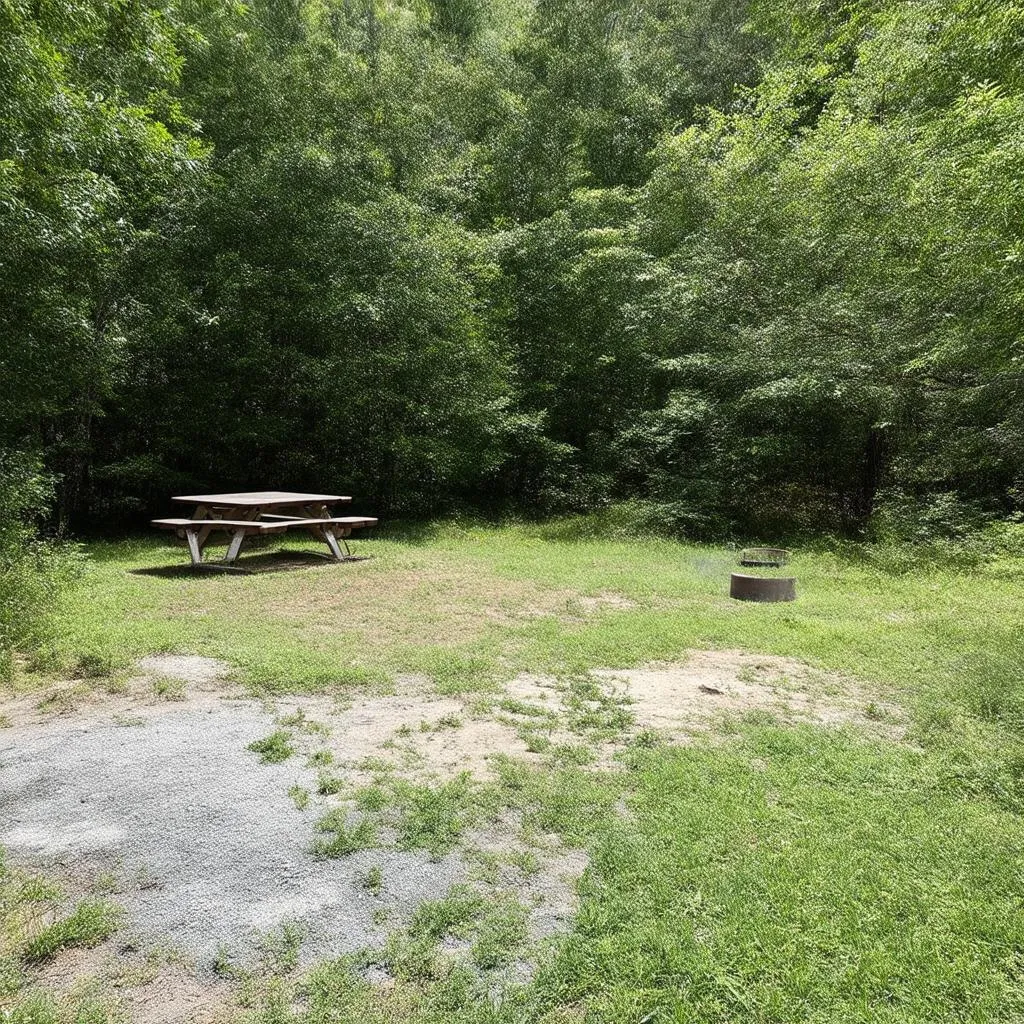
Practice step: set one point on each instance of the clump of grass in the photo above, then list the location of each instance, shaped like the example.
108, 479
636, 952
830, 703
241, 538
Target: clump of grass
343, 838
94, 665
273, 749
372, 798
300, 796
279, 950
573, 754
501, 934
373, 880
447, 916
435, 819
536, 742
166, 688
89, 923
321, 759
329, 785
525, 710
5, 722
301, 721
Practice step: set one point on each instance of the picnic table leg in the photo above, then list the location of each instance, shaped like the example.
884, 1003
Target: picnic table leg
323, 533
235, 546
195, 551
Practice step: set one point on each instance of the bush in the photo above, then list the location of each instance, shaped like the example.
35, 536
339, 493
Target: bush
31, 569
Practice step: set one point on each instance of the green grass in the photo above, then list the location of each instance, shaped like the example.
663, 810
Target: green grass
340, 838
798, 877
766, 874
90, 922
275, 748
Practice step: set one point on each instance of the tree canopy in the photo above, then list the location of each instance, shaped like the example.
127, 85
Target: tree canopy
757, 267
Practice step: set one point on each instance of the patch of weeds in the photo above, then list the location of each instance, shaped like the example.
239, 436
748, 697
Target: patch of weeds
591, 709
321, 759
381, 916
89, 923
448, 916
569, 800
536, 742
404, 730
42, 1008
166, 688
526, 860
62, 700
275, 748
646, 738
117, 685
373, 880
35, 889
372, 798
877, 713
376, 765
485, 865
279, 951
301, 721
501, 934
513, 775
455, 673
411, 958
435, 819
329, 785
448, 722
343, 838
573, 754
93, 665
223, 967
518, 707
482, 707
300, 796
12, 977
5, 722
107, 882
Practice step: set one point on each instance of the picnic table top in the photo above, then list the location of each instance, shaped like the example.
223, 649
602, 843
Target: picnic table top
256, 498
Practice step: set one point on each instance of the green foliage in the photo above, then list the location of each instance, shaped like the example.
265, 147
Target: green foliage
275, 748
31, 571
90, 922
343, 838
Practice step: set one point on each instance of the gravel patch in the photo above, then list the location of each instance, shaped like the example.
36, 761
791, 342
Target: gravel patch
210, 852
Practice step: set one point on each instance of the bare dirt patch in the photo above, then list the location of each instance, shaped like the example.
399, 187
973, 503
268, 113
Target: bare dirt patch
147, 987
681, 698
164, 680
189, 668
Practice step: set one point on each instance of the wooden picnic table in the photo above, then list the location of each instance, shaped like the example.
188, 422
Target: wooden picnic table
245, 513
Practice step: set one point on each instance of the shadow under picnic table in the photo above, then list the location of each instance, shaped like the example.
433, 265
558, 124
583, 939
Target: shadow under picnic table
282, 560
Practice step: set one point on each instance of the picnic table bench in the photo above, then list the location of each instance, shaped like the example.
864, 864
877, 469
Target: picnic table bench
248, 513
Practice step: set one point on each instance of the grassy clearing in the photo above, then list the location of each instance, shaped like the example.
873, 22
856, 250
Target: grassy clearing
768, 873
470, 605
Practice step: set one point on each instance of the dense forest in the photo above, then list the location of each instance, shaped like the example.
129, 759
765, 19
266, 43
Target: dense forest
755, 267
